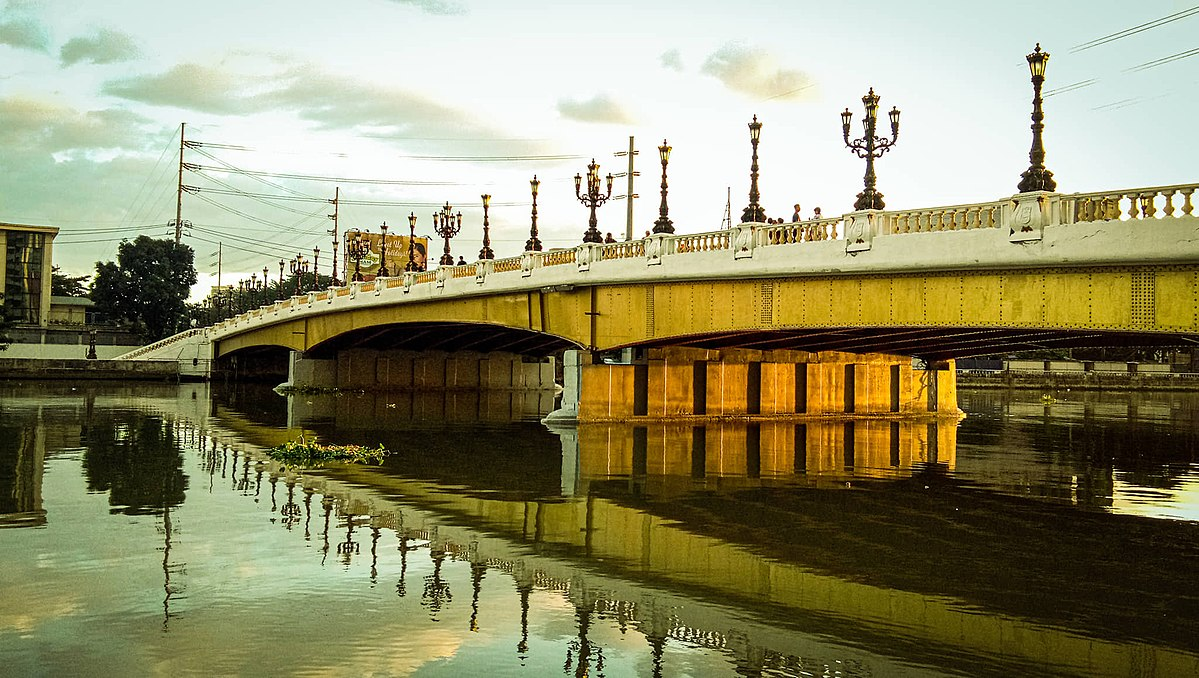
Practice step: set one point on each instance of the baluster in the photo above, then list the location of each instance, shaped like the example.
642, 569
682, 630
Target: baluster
1168, 208
1083, 210
1148, 210
833, 228
1132, 207
1186, 200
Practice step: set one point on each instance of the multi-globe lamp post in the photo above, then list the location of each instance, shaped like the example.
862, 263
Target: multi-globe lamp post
753, 213
1036, 177
446, 225
663, 224
533, 244
592, 199
356, 249
870, 147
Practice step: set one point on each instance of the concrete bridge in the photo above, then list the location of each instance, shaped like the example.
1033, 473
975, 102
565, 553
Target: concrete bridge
1031, 271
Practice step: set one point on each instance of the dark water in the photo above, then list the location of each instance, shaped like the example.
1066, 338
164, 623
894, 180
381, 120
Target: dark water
148, 535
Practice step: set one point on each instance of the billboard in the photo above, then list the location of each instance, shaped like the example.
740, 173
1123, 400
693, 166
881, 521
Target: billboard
397, 254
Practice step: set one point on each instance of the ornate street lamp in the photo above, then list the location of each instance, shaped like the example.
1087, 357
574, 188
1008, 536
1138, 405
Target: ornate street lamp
316, 276
446, 224
265, 285
1036, 177
280, 278
299, 266
592, 199
486, 252
663, 224
356, 250
412, 265
383, 272
533, 244
754, 213
870, 147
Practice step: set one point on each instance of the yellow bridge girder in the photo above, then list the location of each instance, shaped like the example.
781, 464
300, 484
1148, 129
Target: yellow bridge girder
1141, 300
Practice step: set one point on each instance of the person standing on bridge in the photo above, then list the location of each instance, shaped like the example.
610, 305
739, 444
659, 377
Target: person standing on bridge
795, 215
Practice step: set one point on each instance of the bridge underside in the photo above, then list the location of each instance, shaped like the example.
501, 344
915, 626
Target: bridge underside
934, 343
448, 337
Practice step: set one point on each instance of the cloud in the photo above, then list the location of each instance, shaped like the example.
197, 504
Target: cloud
600, 108
189, 86
106, 47
24, 34
331, 101
441, 7
31, 125
671, 59
756, 72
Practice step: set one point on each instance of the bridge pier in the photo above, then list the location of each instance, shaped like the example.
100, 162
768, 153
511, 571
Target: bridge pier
669, 383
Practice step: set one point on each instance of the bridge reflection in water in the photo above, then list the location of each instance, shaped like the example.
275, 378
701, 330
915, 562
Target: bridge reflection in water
733, 528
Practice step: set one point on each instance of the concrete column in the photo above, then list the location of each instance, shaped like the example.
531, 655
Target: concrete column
310, 372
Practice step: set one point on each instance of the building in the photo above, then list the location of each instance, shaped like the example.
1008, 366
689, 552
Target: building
25, 270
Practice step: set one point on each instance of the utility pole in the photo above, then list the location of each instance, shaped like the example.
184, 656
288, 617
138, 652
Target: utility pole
628, 229
727, 221
179, 191
336, 197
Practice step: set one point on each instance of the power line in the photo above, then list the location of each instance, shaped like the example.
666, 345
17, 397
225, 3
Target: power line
1135, 29
1164, 60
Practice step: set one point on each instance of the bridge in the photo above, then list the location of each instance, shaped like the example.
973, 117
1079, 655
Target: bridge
1034, 270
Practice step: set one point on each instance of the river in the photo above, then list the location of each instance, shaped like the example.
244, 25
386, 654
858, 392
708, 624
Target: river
144, 532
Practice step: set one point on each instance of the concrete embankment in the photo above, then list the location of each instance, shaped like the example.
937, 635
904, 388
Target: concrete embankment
1079, 381
142, 370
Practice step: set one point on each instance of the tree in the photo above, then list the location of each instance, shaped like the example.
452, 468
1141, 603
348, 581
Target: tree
62, 285
147, 286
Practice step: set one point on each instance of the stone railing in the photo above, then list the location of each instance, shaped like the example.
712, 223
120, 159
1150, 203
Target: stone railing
555, 257
1132, 203
951, 218
633, 249
700, 242
161, 343
1020, 218
799, 231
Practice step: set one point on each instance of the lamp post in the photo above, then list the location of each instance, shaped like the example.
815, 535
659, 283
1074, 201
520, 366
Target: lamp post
265, 285
486, 252
412, 265
753, 213
299, 266
383, 272
533, 244
870, 147
280, 278
447, 224
663, 224
1036, 177
592, 199
355, 250
316, 276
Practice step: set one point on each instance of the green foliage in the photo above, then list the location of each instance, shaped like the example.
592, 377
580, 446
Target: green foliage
302, 453
147, 286
62, 285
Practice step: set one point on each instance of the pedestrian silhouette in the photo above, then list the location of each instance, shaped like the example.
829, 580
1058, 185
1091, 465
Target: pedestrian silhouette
609, 238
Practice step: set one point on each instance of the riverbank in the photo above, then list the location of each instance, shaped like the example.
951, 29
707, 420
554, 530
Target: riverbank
37, 368
1079, 381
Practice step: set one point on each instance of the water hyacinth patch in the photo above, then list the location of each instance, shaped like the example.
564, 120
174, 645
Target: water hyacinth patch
305, 453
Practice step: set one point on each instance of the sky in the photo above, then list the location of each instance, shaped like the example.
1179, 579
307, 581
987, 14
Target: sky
416, 103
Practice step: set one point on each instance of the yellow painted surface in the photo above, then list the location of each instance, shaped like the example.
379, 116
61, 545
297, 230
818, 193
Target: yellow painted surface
629, 314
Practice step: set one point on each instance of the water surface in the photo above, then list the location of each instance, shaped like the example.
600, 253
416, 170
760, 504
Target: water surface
147, 534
